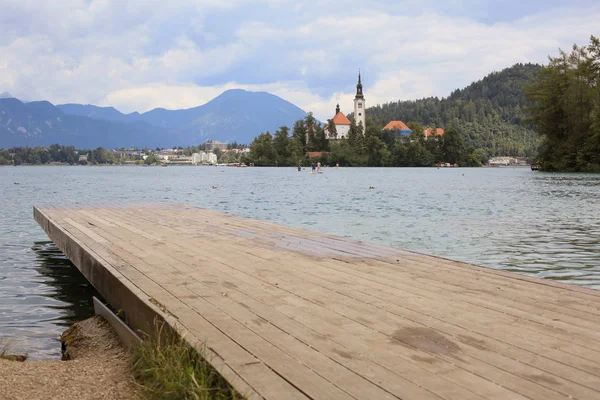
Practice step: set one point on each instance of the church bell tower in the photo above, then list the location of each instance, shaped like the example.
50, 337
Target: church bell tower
359, 105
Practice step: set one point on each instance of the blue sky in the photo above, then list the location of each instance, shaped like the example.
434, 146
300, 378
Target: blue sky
138, 55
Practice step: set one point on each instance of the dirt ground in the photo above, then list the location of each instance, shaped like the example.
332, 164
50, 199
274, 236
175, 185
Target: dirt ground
97, 369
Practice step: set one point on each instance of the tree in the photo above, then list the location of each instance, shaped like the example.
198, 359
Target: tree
297, 145
281, 143
564, 106
332, 129
310, 124
151, 159
218, 152
321, 137
356, 138
452, 147
262, 151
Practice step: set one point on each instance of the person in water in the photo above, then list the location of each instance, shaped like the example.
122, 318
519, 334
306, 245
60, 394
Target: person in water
314, 167
318, 167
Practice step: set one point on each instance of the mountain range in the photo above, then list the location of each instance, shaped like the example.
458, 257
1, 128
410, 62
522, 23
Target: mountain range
489, 113
235, 115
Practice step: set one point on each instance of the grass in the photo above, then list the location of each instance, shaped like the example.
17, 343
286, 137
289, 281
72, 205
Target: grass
166, 367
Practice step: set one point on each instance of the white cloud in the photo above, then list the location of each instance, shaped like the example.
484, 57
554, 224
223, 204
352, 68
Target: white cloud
138, 55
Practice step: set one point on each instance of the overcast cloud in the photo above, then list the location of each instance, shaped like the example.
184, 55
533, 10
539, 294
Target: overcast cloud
140, 54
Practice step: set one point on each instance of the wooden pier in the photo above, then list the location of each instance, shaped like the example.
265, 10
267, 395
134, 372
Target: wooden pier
291, 314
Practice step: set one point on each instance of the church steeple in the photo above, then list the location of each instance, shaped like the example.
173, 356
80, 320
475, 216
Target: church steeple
359, 92
360, 105
337, 109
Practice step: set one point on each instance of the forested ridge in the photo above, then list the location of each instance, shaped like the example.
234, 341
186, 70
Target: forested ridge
489, 114
564, 106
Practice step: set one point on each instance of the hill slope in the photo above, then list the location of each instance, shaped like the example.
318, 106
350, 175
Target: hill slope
488, 113
40, 124
235, 115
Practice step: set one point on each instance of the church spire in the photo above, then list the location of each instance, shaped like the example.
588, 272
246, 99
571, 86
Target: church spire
337, 109
359, 89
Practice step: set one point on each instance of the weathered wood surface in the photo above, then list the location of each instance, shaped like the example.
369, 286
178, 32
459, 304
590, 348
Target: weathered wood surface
287, 313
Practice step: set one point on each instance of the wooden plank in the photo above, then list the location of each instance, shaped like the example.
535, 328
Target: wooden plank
535, 326
350, 381
441, 263
513, 377
316, 316
141, 313
517, 364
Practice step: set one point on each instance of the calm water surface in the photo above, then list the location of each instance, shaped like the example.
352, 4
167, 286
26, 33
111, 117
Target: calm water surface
545, 225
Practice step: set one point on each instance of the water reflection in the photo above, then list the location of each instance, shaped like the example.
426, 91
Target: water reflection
41, 295
71, 288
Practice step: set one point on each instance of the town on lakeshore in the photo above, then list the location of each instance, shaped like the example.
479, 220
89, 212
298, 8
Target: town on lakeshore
341, 141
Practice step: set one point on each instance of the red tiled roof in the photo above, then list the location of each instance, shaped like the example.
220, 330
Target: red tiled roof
341, 119
316, 154
396, 126
438, 131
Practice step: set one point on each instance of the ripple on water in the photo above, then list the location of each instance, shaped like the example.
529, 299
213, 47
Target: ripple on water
545, 225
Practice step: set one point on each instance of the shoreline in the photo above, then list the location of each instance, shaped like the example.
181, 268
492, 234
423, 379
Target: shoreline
95, 365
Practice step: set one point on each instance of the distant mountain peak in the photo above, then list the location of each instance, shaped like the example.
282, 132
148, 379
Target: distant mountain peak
5, 95
235, 115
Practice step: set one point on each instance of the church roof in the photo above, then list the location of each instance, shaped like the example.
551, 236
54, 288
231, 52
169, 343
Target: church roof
396, 126
341, 119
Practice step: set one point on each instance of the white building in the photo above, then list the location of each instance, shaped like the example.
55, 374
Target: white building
342, 126
212, 158
197, 158
204, 158
342, 123
504, 161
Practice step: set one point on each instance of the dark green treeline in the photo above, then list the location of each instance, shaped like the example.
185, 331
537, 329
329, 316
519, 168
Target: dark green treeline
373, 148
565, 109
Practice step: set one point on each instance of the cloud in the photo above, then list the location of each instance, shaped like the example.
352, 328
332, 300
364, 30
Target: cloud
138, 55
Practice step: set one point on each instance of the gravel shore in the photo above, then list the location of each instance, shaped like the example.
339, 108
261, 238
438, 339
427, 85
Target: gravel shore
97, 368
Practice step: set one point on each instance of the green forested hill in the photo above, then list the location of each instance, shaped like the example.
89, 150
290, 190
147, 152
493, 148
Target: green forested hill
488, 113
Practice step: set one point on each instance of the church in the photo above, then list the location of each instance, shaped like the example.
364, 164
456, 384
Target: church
342, 123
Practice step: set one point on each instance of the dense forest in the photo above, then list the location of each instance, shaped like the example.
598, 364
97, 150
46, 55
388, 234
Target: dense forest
374, 148
57, 154
489, 114
565, 109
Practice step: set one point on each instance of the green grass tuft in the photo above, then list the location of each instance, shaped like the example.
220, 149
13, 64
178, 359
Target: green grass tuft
166, 367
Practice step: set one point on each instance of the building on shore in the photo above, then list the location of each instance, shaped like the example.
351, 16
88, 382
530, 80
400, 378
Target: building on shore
203, 158
342, 123
398, 127
180, 160
211, 145
128, 154
429, 132
342, 126
168, 154
506, 161
245, 150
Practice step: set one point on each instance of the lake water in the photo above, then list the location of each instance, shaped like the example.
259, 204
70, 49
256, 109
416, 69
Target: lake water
545, 225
